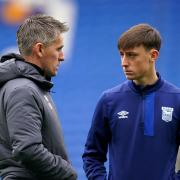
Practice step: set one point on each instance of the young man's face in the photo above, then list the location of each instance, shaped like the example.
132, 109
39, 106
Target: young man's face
52, 56
137, 64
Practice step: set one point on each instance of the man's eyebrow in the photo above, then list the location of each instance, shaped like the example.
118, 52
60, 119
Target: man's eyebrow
60, 47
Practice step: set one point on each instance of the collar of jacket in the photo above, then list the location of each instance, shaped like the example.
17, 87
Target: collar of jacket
147, 89
13, 66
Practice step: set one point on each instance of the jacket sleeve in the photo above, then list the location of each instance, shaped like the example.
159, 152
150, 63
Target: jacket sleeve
96, 145
24, 119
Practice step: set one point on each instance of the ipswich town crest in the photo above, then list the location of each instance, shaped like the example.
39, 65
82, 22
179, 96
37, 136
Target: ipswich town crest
167, 114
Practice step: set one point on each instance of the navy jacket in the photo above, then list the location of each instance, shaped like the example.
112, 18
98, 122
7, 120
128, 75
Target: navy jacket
140, 127
31, 140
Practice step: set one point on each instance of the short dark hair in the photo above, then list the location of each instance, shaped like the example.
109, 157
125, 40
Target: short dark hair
141, 34
38, 28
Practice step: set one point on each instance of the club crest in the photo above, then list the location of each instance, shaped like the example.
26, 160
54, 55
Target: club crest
167, 114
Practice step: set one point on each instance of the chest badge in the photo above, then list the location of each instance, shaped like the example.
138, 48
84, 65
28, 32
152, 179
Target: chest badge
167, 113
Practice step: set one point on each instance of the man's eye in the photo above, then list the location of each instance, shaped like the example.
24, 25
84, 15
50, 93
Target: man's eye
131, 55
60, 49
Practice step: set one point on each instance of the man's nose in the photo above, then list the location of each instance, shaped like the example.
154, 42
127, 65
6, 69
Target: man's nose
124, 61
61, 56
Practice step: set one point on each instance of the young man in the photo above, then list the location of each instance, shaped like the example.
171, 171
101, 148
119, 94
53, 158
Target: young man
138, 122
31, 141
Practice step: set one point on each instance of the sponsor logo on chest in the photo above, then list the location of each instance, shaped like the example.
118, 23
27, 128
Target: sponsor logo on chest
123, 114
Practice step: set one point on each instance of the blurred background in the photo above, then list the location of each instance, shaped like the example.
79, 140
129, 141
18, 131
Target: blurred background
92, 61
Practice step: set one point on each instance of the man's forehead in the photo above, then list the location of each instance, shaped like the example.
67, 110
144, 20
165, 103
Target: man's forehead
128, 50
132, 49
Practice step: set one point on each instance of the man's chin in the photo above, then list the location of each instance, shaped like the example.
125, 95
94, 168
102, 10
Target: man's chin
52, 74
129, 78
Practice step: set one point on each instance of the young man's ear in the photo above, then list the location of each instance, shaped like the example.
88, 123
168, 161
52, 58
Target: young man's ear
154, 54
38, 49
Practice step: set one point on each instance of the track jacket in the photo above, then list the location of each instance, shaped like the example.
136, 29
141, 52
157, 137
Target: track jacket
31, 142
141, 128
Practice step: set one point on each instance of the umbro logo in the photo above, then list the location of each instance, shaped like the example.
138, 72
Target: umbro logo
123, 114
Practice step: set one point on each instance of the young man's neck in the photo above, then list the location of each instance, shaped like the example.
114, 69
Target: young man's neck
147, 81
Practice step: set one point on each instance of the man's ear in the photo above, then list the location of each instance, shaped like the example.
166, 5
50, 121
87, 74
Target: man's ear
38, 49
154, 54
